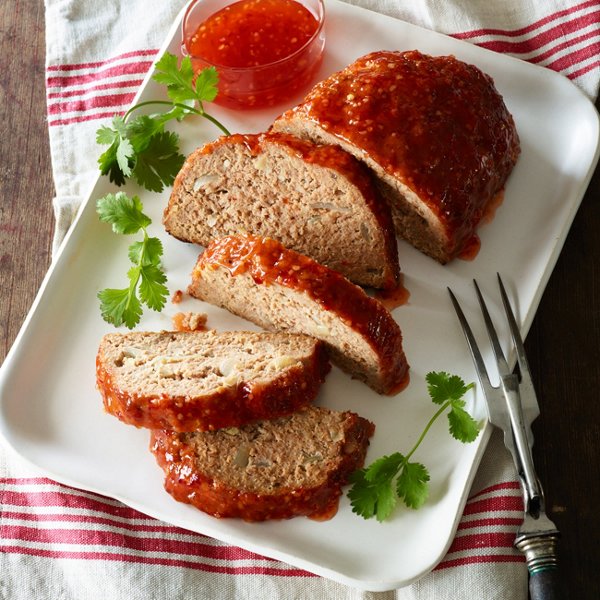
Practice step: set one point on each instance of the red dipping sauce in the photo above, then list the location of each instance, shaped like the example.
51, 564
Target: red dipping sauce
265, 51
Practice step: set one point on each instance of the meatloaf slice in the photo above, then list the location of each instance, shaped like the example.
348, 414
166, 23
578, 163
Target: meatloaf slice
282, 290
194, 380
273, 469
317, 200
435, 131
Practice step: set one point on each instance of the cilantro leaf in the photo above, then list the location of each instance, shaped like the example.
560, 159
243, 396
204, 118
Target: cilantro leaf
141, 130
363, 494
386, 501
123, 155
379, 477
206, 85
411, 486
109, 165
152, 290
123, 213
153, 251
116, 160
106, 136
373, 494
463, 426
138, 147
119, 125
384, 468
158, 164
443, 387
120, 307
177, 78
146, 276
136, 252
147, 252
371, 498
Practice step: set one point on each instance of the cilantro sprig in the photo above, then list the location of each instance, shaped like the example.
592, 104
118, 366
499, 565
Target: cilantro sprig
374, 494
140, 147
146, 277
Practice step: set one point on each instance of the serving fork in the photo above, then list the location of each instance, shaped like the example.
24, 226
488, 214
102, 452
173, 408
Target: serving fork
512, 406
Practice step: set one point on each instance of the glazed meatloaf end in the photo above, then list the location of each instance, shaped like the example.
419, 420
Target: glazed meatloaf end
435, 131
274, 469
317, 200
282, 290
193, 380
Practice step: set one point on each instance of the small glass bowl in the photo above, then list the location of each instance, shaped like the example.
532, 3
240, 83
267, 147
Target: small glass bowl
264, 85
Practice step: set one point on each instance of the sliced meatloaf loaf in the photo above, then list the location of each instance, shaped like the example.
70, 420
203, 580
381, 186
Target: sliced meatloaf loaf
315, 199
194, 380
434, 130
273, 469
279, 289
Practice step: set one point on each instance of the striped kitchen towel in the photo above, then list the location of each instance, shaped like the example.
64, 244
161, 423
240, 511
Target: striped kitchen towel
560, 35
72, 544
59, 542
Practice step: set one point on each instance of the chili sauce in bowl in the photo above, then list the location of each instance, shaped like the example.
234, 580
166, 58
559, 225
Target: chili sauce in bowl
265, 51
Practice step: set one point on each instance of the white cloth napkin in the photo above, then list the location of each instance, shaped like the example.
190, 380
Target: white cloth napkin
59, 542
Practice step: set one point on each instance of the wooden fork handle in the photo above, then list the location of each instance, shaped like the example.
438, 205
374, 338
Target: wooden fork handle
545, 585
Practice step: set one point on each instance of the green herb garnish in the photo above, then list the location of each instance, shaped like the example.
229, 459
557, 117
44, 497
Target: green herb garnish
140, 147
373, 493
146, 277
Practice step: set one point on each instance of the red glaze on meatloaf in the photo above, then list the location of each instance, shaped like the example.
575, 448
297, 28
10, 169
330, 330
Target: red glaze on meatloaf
145, 382
435, 124
269, 264
274, 469
315, 199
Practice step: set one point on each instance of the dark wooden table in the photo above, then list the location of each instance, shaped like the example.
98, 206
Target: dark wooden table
563, 344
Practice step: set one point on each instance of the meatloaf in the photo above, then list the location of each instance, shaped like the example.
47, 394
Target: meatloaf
273, 469
315, 199
434, 130
279, 289
194, 380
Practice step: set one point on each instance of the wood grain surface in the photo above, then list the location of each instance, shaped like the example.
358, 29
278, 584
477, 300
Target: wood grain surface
563, 344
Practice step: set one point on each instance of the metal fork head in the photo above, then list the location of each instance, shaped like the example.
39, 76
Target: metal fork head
505, 401
503, 367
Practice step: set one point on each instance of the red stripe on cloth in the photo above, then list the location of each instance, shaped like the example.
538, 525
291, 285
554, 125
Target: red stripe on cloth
95, 65
59, 499
95, 88
103, 537
567, 44
575, 57
538, 41
528, 28
483, 559
494, 504
83, 118
134, 68
98, 537
583, 70
150, 525
91, 103
505, 485
170, 562
482, 540
489, 522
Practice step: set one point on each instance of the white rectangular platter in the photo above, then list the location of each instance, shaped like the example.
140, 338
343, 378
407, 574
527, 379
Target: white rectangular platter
51, 413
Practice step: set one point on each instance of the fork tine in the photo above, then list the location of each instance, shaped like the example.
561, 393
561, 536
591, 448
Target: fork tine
503, 368
515, 334
475, 353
